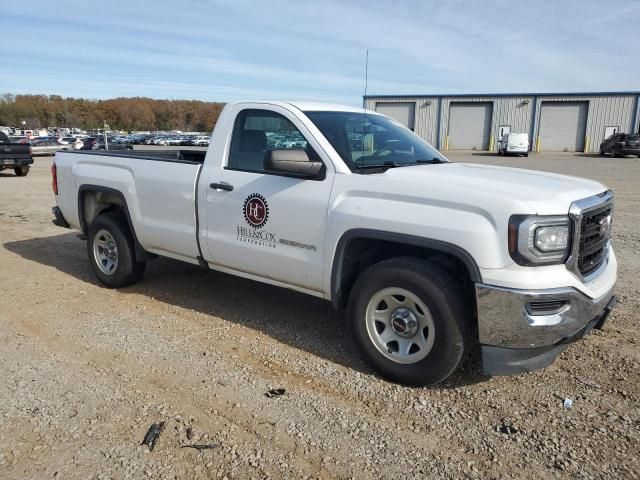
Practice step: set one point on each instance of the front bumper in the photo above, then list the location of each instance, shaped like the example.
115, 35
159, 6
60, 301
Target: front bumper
523, 330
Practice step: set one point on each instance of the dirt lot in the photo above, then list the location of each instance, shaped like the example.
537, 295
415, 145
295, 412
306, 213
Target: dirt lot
86, 370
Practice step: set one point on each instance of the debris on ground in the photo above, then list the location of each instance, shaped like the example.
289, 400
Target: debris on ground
568, 403
588, 382
152, 435
275, 392
507, 426
189, 433
202, 446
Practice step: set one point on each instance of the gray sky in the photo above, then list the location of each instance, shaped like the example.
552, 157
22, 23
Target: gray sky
296, 49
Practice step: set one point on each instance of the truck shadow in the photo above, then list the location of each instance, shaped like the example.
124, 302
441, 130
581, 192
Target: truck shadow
289, 317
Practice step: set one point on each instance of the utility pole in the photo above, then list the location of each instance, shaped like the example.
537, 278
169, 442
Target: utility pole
106, 128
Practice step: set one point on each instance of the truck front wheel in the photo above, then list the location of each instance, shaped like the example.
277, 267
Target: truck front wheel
411, 320
21, 171
111, 251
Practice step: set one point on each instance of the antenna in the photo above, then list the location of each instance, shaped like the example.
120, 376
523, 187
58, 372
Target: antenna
366, 77
364, 97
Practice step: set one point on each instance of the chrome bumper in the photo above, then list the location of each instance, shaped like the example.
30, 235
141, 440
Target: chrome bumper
534, 318
521, 330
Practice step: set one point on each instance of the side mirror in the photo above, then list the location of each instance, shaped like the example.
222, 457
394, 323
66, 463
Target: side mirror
295, 163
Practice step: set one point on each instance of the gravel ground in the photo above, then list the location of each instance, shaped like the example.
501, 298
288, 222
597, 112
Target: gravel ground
87, 370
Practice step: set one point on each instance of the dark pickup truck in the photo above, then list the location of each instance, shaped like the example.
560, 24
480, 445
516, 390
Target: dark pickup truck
15, 155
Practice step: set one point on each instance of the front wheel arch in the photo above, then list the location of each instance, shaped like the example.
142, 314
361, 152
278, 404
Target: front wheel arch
358, 249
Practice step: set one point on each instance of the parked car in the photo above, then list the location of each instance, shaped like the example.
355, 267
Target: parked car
15, 155
428, 257
97, 143
514, 144
165, 141
200, 141
621, 144
47, 146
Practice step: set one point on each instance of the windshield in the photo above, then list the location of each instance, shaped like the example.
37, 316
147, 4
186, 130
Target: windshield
518, 137
366, 141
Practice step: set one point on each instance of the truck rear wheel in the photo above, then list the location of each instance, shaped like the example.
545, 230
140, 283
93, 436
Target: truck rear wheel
21, 171
411, 320
111, 251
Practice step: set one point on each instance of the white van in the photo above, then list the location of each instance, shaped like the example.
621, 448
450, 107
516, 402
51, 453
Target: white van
516, 143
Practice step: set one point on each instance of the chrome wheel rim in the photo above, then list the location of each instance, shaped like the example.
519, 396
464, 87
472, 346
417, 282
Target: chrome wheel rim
400, 325
105, 252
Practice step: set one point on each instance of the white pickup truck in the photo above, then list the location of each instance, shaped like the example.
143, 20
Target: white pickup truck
430, 258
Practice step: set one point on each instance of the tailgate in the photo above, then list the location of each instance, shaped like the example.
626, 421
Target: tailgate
13, 151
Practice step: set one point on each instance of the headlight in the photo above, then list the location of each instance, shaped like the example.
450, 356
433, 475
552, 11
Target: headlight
552, 238
539, 240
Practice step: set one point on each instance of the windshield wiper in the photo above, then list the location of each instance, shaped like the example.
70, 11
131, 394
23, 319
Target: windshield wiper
392, 164
424, 161
387, 164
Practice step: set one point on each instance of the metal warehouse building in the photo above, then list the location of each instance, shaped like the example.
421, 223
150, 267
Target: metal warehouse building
564, 122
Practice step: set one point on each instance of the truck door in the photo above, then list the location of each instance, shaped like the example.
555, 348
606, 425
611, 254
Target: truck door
260, 222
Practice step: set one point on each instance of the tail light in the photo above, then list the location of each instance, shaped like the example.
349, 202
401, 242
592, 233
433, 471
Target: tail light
54, 178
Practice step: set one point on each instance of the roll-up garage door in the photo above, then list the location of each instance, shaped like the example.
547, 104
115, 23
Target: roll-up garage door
563, 126
404, 112
470, 125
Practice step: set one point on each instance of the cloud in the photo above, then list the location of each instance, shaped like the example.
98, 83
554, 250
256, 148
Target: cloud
300, 49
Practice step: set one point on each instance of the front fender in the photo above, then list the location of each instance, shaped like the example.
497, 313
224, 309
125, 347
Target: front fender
475, 235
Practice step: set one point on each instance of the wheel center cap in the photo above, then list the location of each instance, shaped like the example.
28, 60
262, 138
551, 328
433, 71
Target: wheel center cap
404, 322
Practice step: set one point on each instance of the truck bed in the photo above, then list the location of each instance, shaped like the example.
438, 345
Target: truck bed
195, 157
158, 186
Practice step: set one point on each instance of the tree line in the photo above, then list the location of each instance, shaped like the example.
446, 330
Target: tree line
136, 113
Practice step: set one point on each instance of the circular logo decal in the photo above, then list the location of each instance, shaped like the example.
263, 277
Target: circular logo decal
256, 210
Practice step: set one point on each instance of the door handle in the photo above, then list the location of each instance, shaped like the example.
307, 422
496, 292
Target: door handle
222, 186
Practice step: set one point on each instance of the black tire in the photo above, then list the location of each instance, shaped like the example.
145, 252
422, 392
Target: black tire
526, 154
21, 171
128, 270
446, 302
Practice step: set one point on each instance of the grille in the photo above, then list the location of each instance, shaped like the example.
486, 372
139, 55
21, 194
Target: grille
594, 235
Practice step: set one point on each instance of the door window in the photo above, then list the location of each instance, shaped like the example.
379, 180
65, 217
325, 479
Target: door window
608, 131
503, 130
258, 131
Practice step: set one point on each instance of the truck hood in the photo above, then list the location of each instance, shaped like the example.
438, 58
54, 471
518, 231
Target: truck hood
545, 193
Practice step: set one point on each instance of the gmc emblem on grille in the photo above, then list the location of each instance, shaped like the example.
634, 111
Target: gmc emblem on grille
604, 225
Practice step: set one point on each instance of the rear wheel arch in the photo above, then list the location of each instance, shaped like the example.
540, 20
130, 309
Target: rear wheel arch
94, 200
359, 249
111, 251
